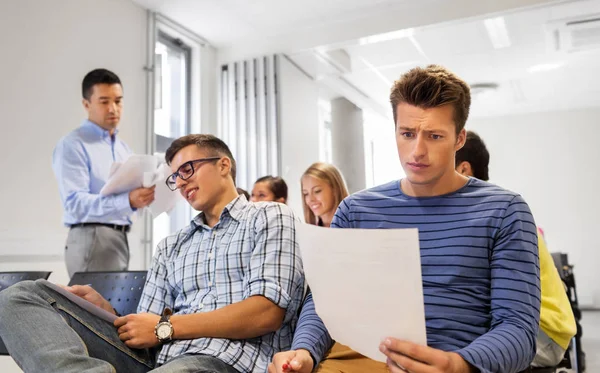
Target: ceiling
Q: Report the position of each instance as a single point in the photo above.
(242, 28)
(532, 74)
(325, 38)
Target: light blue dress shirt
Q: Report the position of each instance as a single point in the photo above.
(81, 162)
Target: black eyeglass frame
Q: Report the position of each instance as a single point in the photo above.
(191, 163)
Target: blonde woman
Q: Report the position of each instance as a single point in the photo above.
(323, 189)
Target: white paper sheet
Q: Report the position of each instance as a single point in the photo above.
(164, 198)
(142, 170)
(130, 174)
(366, 284)
(88, 306)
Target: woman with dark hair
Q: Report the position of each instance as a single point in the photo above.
(270, 188)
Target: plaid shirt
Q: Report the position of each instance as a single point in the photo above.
(252, 250)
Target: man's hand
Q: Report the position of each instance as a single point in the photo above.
(295, 361)
(141, 197)
(88, 293)
(406, 356)
(137, 330)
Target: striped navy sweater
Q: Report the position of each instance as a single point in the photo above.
(479, 262)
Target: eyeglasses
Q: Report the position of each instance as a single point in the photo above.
(185, 171)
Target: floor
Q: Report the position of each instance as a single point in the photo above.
(590, 322)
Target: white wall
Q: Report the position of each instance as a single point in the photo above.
(299, 126)
(47, 47)
(553, 160)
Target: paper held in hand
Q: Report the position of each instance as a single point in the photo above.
(88, 306)
(142, 170)
(366, 284)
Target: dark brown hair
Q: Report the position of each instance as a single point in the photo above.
(475, 152)
(432, 87)
(277, 186)
(243, 191)
(98, 76)
(213, 144)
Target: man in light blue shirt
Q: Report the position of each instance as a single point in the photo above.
(97, 239)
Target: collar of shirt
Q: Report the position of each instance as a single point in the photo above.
(234, 209)
(99, 131)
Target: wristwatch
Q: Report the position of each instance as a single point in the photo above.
(164, 330)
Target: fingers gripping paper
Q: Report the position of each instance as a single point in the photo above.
(366, 284)
(143, 170)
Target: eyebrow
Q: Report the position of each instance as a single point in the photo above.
(402, 128)
(106, 98)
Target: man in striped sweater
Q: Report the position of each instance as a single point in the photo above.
(478, 243)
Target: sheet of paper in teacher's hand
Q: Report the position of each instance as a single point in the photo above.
(143, 170)
(130, 174)
(164, 198)
(366, 284)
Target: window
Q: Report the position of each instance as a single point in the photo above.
(171, 117)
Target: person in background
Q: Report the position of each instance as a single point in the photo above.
(323, 188)
(473, 158)
(478, 243)
(270, 188)
(98, 225)
(557, 322)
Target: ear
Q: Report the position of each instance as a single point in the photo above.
(464, 168)
(86, 104)
(225, 166)
(461, 139)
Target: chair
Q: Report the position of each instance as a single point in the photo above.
(10, 278)
(575, 356)
(122, 289)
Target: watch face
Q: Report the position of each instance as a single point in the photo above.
(163, 331)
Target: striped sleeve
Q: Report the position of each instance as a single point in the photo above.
(510, 344)
(311, 334)
(341, 219)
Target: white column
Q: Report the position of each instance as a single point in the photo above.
(347, 142)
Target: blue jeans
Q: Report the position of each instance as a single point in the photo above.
(45, 332)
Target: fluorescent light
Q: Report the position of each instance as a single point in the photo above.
(394, 35)
(545, 67)
(497, 31)
(384, 79)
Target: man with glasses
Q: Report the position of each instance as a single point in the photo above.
(82, 160)
(222, 294)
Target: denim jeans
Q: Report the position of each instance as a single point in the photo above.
(45, 332)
